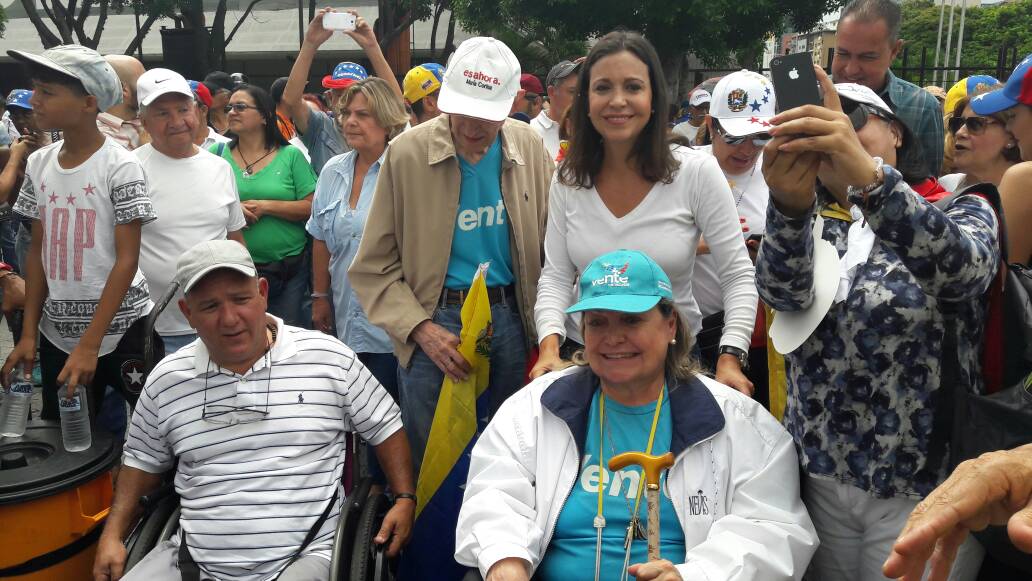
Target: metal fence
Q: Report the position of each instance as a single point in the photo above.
(914, 65)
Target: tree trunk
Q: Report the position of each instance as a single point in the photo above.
(449, 40)
(46, 37)
(438, 9)
(673, 64)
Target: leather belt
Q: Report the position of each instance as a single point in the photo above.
(495, 295)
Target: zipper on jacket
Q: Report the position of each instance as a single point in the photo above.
(548, 539)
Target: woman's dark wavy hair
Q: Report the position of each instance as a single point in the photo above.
(267, 109)
(651, 151)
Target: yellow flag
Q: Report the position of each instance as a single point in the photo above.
(455, 419)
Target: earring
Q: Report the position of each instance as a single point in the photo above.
(673, 341)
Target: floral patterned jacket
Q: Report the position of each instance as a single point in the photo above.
(862, 389)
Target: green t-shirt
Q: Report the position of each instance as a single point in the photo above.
(288, 178)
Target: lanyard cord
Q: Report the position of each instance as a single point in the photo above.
(600, 520)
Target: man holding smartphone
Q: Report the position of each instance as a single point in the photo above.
(867, 41)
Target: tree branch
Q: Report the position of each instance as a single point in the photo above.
(101, 21)
(46, 36)
(57, 16)
(144, 31)
(240, 22)
(78, 21)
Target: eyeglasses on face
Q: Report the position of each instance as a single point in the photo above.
(975, 125)
(239, 107)
(859, 113)
(758, 139)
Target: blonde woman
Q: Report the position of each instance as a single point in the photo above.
(370, 114)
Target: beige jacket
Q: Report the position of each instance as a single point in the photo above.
(399, 271)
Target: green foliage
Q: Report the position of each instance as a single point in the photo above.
(711, 30)
(986, 30)
(3, 21)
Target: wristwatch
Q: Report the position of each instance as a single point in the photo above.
(742, 356)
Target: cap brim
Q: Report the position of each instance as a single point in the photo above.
(741, 126)
(154, 97)
(248, 271)
(621, 303)
(455, 104)
(993, 102)
(28, 57)
(329, 82)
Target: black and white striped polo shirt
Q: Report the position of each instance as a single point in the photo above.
(251, 491)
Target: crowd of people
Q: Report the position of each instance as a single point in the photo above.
(765, 294)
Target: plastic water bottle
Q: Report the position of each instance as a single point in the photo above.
(14, 412)
(75, 419)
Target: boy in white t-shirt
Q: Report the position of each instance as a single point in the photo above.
(88, 201)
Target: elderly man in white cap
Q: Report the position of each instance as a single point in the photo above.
(465, 188)
(256, 412)
(193, 191)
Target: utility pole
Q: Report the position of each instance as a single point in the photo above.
(949, 42)
(938, 43)
(960, 39)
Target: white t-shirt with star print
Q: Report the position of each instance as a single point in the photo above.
(78, 209)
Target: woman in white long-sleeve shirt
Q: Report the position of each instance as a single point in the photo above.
(623, 186)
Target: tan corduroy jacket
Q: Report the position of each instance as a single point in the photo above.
(399, 271)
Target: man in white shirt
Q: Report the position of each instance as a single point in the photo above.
(204, 135)
(698, 108)
(256, 412)
(194, 189)
(561, 85)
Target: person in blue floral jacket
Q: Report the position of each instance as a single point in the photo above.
(863, 384)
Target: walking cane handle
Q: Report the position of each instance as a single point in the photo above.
(652, 466)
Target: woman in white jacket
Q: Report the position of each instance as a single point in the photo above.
(730, 507)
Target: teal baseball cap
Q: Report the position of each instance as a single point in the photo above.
(623, 280)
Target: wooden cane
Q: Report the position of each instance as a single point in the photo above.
(652, 467)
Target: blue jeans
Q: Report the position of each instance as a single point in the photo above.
(384, 367)
(289, 299)
(420, 385)
(174, 343)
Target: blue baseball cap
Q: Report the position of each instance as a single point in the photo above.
(20, 98)
(1018, 90)
(344, 74)
(623, 280)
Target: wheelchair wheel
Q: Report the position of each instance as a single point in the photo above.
(157, 526)
(346, 528)
(369, 561)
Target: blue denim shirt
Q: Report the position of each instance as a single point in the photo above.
(922, 115)
(862, 389)
(323, 140)
(338, 225)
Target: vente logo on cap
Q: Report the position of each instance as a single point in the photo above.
(479, 79)
(615, 277)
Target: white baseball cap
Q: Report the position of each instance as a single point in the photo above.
(157, 82)
(862, 94)
(211, 255)
(481, 80)
(744, 103)
(699, 97)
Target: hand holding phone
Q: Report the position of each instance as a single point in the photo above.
(342, 21)
(795, 83)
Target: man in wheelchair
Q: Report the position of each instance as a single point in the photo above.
(255, 412)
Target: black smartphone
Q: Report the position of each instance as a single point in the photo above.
(754, 238)
(795, 83)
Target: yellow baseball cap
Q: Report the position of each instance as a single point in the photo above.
(422, 81)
